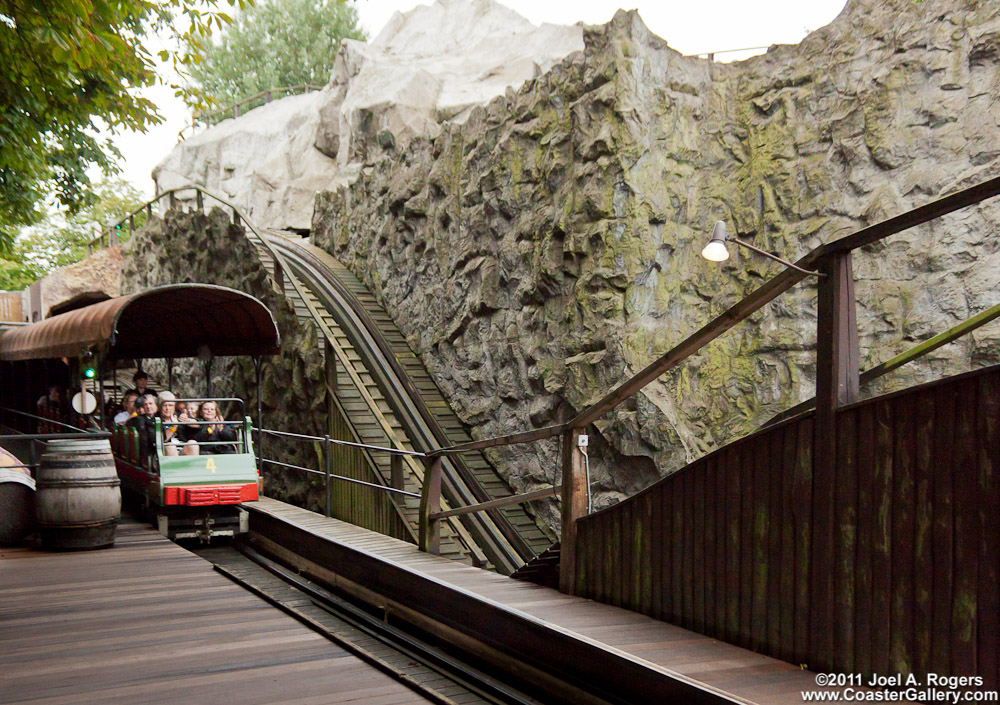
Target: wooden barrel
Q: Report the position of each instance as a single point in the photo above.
(78, 498)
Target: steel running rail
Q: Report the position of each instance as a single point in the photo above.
(492, 532)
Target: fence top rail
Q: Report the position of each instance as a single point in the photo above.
(334, 441)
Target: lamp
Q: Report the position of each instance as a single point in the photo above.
(715, 250)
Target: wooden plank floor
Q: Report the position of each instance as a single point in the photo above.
(744, 674)
(148, 622)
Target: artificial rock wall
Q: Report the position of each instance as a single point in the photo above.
(198, 247)
(548, 247)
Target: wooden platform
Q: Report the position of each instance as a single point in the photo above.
(739, 674)
(148, 622)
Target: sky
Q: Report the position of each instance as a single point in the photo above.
(689, 27)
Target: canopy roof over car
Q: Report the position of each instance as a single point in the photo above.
(178, 320)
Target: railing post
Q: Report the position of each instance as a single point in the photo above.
(173, 201)
(574, 506)
(149, 211)
(236, 110)
(236, 217)
(329, 461)
(279, 275)
(837, 385)
(131, 224)
(429, 536)
(199, 200)
(396, 475)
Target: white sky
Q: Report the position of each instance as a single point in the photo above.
(689, 27)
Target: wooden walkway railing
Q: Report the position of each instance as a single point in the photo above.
(730, 546)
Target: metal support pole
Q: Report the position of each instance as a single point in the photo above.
(429, 535)
(100, 386)
(257, 366)
(208, 378)
(170, 373)
(329, 463)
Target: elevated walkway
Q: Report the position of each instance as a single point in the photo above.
(536, 631)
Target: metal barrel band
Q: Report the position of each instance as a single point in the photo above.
(82, 482)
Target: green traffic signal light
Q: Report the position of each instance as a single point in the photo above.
(89, 373)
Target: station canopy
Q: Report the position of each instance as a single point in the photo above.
(177, 320)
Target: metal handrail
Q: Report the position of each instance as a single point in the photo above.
(75, 429)
(334, 441)
(384, 488)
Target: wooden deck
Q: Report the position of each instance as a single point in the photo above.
(738, 673)
(148, 622)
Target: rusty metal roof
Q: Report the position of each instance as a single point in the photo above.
(168, 321)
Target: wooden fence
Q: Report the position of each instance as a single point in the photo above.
(728, 546)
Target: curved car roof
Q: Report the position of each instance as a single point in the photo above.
(167, 321)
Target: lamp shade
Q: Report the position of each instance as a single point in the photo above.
(715, 250)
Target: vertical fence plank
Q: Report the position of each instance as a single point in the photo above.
(626, 574)
(865, 466)
(942, 536)
(644, 559)
(721, 529)
(733, 532)
(774, 605)
(988, 467)
(747, 512)
(667, 552)
(698, 546)
(597, 547)
(615, 557)
(803, 539)
(761, 495)
(923, 558)
(903, 533)
(687, 483)
(845, 540)
(966, 499)
(677, 578)
(790, 439)
(882, 538)
(658, 538)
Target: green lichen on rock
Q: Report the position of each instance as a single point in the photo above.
(555, 249)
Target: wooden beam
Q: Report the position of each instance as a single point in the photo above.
(836, 386)
(917, 216)
(574, 506)
(429, 535)
(502, 502)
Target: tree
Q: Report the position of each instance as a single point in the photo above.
(274, 43)
(71, 68)
(56, 241)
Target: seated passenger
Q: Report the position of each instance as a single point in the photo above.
(145, 424)
(128, 408)
(170, 422)
(194, 435)
(141, 381)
